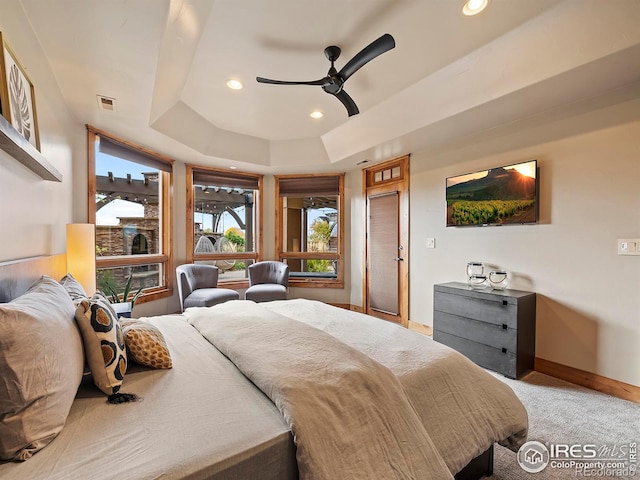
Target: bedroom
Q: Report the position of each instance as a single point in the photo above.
(576, 111)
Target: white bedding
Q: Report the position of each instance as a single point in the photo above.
(349, 414)
(200, 420)
(204, 419)
(464, 409)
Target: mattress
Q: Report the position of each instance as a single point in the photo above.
(201, 419)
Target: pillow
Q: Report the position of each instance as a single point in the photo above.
(41, 366)
(145, 344)
(103, 343)
(73, 288)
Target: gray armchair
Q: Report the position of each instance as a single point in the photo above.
(198, 286)
(268, 280)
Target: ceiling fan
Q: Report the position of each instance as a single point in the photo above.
(334, 80)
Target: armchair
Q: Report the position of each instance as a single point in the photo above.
(198, 286)
(268, 280)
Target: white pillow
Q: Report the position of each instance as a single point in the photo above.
(41, 366)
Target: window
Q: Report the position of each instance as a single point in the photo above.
(309, 234)
(224, 216)
(130, 205)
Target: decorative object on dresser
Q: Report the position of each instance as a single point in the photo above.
(475, 275)
(498, 279)
(495, 329)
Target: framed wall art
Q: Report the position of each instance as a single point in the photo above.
(17, 95)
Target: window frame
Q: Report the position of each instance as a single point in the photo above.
(166, 256)
(283, 255)
(256, 255)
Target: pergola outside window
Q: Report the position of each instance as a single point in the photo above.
(130, 205)
(224, 215)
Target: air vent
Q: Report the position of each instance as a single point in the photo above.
(106, 103)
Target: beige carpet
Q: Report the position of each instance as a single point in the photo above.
(564, 413)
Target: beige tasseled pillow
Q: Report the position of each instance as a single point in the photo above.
(145, 344)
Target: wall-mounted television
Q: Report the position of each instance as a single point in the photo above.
(506, 195)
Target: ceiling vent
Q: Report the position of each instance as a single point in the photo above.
(106, 103)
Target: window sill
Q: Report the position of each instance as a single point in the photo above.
(234, 284)
(314, 283)
(154, 295)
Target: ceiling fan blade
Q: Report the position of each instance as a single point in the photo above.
(368, 53)
(348, 102)
(281, 82)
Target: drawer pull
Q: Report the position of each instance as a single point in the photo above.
(504, 326)
(504, 350)
(505, 303)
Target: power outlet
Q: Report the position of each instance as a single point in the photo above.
(629, 246)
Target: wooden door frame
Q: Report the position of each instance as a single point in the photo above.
(401, 185)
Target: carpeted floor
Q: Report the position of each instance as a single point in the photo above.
(564, 413)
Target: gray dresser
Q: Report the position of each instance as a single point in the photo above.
(494, 328)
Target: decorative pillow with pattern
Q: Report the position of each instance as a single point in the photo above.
(103, 343)
(145, 344)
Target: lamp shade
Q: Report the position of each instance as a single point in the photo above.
(81, 254)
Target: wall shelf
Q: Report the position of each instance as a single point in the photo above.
(19, 148)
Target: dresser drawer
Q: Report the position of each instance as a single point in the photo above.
(496, 311)
(483, 355)
(490, 334)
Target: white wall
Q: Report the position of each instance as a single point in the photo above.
(588, 307)
(34, 212)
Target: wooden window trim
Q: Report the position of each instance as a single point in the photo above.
(258, 242)
(166, 257)
(310, 282)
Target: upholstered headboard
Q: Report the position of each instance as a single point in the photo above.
(18, 275)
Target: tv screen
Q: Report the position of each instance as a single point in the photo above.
(505, 195)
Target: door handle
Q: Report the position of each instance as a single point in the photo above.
(399, 259)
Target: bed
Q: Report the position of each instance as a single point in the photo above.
(205, 418)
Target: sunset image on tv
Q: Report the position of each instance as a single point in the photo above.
(498, 196)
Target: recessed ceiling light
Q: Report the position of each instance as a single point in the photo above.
(473, 7)
(234, 84)
(316, 114)
(233, 167)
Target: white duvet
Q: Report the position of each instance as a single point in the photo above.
(349, 415)
(463, 409)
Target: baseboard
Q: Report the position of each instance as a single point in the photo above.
(346, 306)
(421, 328)
(590, 380)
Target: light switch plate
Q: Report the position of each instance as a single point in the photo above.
(629, 246)
(431, 243)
